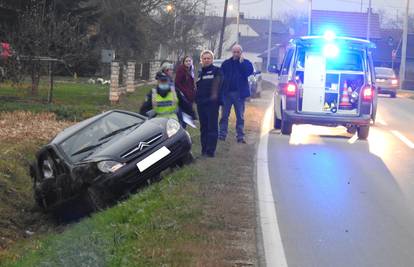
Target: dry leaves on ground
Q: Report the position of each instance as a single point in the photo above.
(21, 125)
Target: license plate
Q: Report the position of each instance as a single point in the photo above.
(153, 158)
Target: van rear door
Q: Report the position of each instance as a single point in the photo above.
(314, 82)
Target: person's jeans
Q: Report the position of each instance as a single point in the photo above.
(208, 116)
(232, 99)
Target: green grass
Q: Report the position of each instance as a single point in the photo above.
(150, 229)
(71, 101)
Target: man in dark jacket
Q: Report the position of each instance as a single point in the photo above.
(236, 71)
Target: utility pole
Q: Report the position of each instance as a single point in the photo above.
(362, 5)
(369, 20)
(223, 28)
(309, 17)
(238, 22)
(269, 44)
(404, 45)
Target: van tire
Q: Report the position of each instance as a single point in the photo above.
(393, 95)
(363, 132)
(277, 122)
(286, 127)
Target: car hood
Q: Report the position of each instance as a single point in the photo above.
(127, 145)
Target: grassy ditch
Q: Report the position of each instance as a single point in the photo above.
(200, 215)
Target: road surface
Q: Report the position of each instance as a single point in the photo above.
(344, 202)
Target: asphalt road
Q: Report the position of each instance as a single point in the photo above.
(344, 202)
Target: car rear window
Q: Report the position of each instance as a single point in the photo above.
(345, 61)
(384, 72)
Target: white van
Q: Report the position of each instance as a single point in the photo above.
(329, 81)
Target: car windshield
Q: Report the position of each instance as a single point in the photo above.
(87, 140)
(386, 72)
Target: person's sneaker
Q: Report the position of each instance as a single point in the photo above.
(241, 141)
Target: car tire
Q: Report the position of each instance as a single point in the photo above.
(186, 160)
(277, 122)
(96, 199)
(286, 127)
(363, 132)
(393, 95)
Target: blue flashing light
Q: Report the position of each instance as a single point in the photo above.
(329, 35)
(331, 51)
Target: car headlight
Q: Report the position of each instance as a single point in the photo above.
(109, 166)
(47, 169)
(173, 127)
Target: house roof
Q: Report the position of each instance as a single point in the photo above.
(352, 24)
(259, 44)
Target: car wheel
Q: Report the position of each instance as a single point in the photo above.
(363, 132)
(277, 122)
(186, 160)
(95, 199)
(286, 127)
(393, 95)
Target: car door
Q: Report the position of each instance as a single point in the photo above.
(285, 71)
(314, 82)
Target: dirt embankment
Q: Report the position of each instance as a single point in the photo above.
(21, 134)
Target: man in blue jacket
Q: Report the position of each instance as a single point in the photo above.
(236, 89)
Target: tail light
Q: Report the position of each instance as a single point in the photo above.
(291, 89)
(367, 93)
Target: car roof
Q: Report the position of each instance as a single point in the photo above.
(68, 132)
(355, 42)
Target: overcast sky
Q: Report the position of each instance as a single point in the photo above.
(261, 8)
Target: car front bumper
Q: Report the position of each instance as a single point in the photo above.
(326, 119)
(129, 177)
(388, 89)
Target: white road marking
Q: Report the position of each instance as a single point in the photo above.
(353, 139)
(404, 139)
(381, 121)
(272, 240)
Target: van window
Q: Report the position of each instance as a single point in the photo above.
(287, 61)
(347, 61)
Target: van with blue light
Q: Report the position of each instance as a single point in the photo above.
(329, 81)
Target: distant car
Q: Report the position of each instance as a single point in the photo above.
(327, 81)
(106, 157)
(255, 79)
(387, 81)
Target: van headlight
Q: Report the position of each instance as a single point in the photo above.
(173, 127)
(109, 166)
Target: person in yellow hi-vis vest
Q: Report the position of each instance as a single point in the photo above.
(162, 101)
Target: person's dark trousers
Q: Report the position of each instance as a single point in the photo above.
(208, 116)
(232, 99)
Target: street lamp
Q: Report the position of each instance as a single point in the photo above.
(169, 7)
(309, 17)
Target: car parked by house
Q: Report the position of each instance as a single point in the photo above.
(328, 81)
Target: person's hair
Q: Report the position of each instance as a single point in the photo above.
(237, 46)
(206, 52)
(166, 66)
(185, 58)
